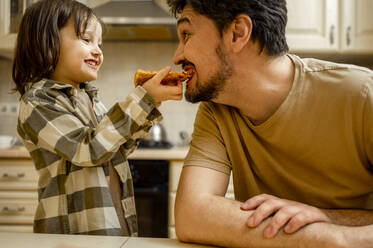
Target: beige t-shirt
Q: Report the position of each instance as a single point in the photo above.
(317, 148)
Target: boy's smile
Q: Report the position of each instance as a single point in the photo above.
(80, 57)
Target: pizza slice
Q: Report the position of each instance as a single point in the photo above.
(173, 78)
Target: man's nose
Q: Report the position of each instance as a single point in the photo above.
(179, 55)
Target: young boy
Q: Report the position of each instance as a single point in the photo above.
(79, 149)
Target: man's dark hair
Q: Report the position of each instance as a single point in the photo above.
(38, 43)
(269, 18)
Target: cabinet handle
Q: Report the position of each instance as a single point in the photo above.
(331, 35)
(15, 175)
(348, 35)
(13, 209)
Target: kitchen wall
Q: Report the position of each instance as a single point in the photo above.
(8, 121)
(115, 81)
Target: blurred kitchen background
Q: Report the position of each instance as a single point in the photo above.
(142, 34)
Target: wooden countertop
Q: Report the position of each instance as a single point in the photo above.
(33, 240)
(178, 153)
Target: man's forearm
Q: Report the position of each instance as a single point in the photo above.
(350, 217)
(220, 221)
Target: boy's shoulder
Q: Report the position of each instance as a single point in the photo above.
(47, 91)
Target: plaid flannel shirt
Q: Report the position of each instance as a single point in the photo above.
(72, 156)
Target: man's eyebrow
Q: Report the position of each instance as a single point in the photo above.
(183, 20)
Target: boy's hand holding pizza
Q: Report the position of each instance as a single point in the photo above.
(162, 85)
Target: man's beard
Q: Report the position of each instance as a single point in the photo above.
(211, 88)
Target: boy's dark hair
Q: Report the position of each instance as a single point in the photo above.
(38, 42)
(269, 18)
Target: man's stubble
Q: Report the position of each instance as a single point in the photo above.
(210, 89)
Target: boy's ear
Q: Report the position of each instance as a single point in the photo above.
(241, 29)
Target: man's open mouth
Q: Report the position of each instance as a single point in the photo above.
(189, 70)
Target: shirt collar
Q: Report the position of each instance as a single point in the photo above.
(51, 84)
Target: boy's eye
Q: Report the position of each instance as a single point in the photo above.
(100, 45)
(85, 39)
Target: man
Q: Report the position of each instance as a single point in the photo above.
(296, 133)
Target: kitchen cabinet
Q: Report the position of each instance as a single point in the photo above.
(343, 26)
(7, 38)
(18, 185)
(356, 26)
(176, 167)
(4, 17)
(313, 25)
(18, 195)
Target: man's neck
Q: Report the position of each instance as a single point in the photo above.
(259, 87)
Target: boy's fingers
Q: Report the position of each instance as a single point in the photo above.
(176, 97)
(177, 89)
(161, 74)
(172, 90)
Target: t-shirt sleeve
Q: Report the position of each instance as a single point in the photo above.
(368, 123)
(207, 147)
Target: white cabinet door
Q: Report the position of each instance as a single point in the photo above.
(7, 40)
(4, 17)
(313, 25)
(357, 26)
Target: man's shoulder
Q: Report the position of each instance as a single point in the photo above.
(312, 65)
(344, 77)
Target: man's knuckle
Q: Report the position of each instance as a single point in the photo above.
(277, 220)
(300, 218)
(273, 225)
(287, 210)
(265, 207)
(263, 196)
(281, 216)
(272, 202)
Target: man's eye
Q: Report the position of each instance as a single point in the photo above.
(85, 39)
(185, 35)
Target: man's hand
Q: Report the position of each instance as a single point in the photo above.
(289, 214)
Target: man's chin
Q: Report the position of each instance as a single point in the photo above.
(189, 98)
(196, 98)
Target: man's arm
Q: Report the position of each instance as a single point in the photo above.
(203, 215)
(351, 217)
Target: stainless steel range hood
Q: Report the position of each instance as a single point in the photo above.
(145, 20)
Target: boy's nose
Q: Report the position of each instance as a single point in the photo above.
(97, 51)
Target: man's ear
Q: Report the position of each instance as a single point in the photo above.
(241, 29)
